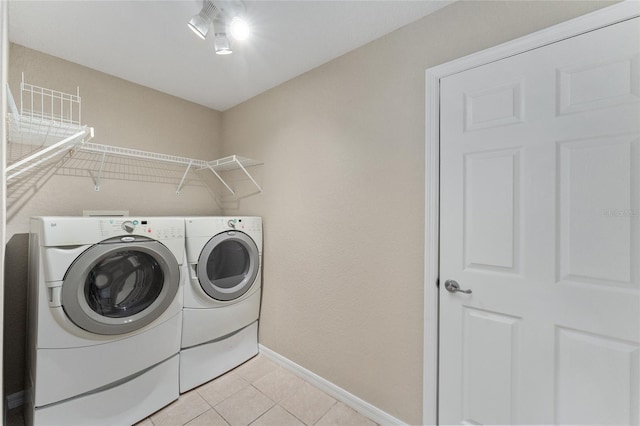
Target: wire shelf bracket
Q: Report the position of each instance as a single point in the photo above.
(96, 180)
(184, 176)
(234, 162)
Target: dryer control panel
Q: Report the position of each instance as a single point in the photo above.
(246, 224)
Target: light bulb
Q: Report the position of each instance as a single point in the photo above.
(239, 28)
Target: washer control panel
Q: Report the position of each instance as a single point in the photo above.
(156, 228)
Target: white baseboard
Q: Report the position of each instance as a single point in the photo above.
(363, 407)
(14, 400)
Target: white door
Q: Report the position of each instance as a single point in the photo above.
(540, 219)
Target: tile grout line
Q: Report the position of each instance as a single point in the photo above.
(263, 414)
(335, 402)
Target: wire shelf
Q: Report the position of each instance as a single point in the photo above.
(33, 130)
(45, 116)
(47, 130)
(143, 155)
(92, 164)
(164, 165)
(46, 126)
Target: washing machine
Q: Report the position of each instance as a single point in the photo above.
(221, 296)
(104, 320)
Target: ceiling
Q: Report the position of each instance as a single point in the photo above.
(149, 43)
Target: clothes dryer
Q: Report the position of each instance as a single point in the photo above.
(105, 317)
(221, 296)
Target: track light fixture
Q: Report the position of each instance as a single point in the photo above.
(220, 19)
(201, 22)
(222, 45)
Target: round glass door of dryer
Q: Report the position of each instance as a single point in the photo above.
(228, 265)
(116, 287)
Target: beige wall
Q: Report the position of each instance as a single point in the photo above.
(343, 207)
(123, 114)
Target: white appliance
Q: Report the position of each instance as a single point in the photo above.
(105, 317)
(221, 296)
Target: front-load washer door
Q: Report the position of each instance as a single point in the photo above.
(228, 265)
(120, 285)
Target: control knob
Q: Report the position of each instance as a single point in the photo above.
(232, 223)
(128, 226)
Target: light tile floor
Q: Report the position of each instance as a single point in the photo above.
(257, 393)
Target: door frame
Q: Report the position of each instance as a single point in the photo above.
(4, 72)
(592, 21)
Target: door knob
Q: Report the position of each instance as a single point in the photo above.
(454, 287)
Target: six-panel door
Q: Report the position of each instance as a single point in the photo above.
(540, 219)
